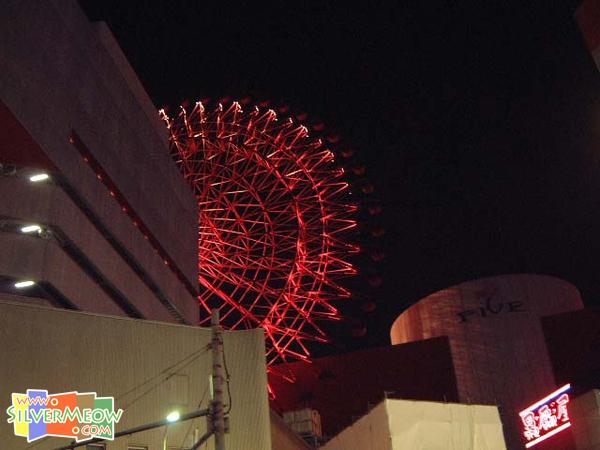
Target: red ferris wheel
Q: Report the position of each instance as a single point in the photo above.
(274, 217)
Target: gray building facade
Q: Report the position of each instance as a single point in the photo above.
(117, 223)
(149, 368)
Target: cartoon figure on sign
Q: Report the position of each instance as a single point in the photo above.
(531, 430)
(561, 408)
(546, 417)
(547, 420)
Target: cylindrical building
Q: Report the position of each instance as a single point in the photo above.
(496, 338)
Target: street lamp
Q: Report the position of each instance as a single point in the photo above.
(36, 178)
(31, 229)
(172, 417)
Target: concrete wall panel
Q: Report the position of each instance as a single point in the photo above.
(48, 204)
(62, 351)
(60, 73)
(25, 257)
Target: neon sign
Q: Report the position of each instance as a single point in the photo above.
(546, 417)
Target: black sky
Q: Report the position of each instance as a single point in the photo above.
(479, 123)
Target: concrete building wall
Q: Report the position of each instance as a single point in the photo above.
(498, 347)
(48, 205)
(283, 437)
(416, 425)
(150, 368)
(585, 419)
(587, 16)
(62, 74)
(25, 257)
(370, 431)
(412, 425)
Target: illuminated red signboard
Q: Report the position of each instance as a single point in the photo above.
(546, 417)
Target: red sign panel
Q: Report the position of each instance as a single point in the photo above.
(546, 417)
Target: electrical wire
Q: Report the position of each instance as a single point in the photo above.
(228, 377)
(169, 375)
(120, 396)
(195, 355)
(191, 421)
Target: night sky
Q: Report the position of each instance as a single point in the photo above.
(479, 126)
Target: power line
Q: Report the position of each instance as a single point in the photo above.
(120, 396)
(194, 355)
(168, 375)
(227, 379)
(191, 422)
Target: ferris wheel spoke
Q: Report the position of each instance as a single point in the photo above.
(273, 220)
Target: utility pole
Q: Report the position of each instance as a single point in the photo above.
(217, 414)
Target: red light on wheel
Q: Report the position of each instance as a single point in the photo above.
(273, 222)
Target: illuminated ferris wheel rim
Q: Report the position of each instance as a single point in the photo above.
(272, 221)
